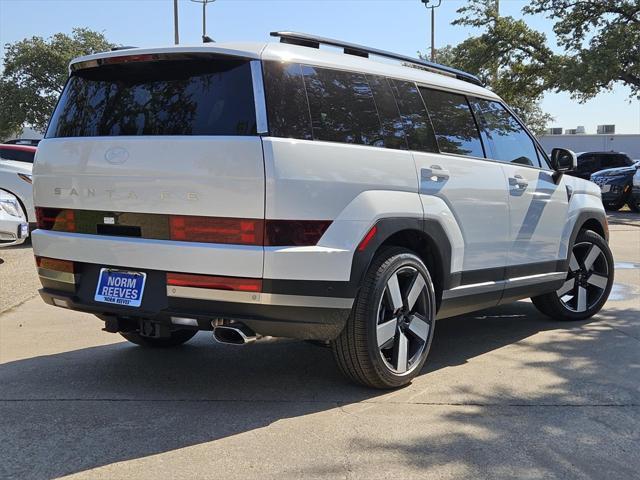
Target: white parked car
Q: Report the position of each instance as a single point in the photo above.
(288, 190)
(16, 163)
(14, 228)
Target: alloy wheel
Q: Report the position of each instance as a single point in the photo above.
(404, 320)
(587, 278)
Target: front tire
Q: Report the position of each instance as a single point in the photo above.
(588, 282)
(389, 332)
(177, 337)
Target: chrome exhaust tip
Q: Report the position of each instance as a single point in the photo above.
(234, 334)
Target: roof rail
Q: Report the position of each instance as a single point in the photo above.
(313, 41)
(122, 47)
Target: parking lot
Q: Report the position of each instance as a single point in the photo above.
(506, 393)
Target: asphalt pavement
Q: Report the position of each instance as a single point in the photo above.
(506, 393)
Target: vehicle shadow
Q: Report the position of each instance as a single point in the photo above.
(73, 411)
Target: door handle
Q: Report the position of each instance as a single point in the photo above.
(435, 173)
(518, 182)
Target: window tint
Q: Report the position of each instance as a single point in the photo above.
(417, 125)
(508, 141)
(453, 122)
(287, 106)
(392, 127)
(168, 97)
(613, 161)
(18, 155)
(342, 107)
(588, 164)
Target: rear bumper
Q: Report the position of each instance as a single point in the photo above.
(300, 311)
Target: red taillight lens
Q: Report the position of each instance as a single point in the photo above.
(214, 282)
(58, 265)
(216, 230)
(294, 232)
(61, 220)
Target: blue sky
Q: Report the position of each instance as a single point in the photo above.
(397, 25)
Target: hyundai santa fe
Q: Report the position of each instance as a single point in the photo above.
(350, 196)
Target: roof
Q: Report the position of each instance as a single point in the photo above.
(330, 58)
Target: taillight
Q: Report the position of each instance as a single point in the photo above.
(61, 220)
(214, 282)
(216, 230)
(65, 266)
(294, 232)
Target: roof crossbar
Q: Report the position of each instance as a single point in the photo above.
(313, 41)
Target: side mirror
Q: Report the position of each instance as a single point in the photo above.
(563, 160)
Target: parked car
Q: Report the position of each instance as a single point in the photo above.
(24, 141)
(634, 202)
(14, 228)
(592, 162)
(287, 190)
(616, 185)
(15, 178)
(18, 153)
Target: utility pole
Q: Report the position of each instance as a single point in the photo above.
(176, 36)
(432, 5)
(204, 18)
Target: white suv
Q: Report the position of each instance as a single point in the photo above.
(287, 190)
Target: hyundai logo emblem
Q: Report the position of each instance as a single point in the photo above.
(116, 155)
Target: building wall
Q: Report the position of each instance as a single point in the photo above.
(629, 144)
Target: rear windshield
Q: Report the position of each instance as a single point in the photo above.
(18, 155)
(170, 97)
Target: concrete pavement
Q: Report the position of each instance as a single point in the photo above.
(506, 393)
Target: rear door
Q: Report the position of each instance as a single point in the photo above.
(136, 143)
(538, 205)
(472, 188)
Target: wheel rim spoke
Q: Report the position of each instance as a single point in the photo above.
(591, 257)
(416, 289)
(395, 295)
(386, 332)
(582, 299)
(598, 281)
(401, 348)
(567, 287)
(419, 327)
(573, 263)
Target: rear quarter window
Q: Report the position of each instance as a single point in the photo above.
(17, 155)
(209, 96)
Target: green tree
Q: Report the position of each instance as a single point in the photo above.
(509, 57)
(34, 73)
(601, 42)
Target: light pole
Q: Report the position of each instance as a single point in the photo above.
(176, 36)
(204, 18)
(432, 4)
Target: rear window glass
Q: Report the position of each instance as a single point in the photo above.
(453, 123)
(18, 155)
(342, 107)
(415, 118)
(170, 97)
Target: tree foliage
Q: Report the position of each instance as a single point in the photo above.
(35, 71)
(509, 57)
(601, 42)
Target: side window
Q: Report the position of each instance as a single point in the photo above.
(342, 107)
(287, 106)
(588, 164)
(392, 127)
(417, 125)
(453, 122)
(17, 155)
(508, 140)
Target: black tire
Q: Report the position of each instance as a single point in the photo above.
(178, 337)
(356, 349)
(634, 204)
(558, 305)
